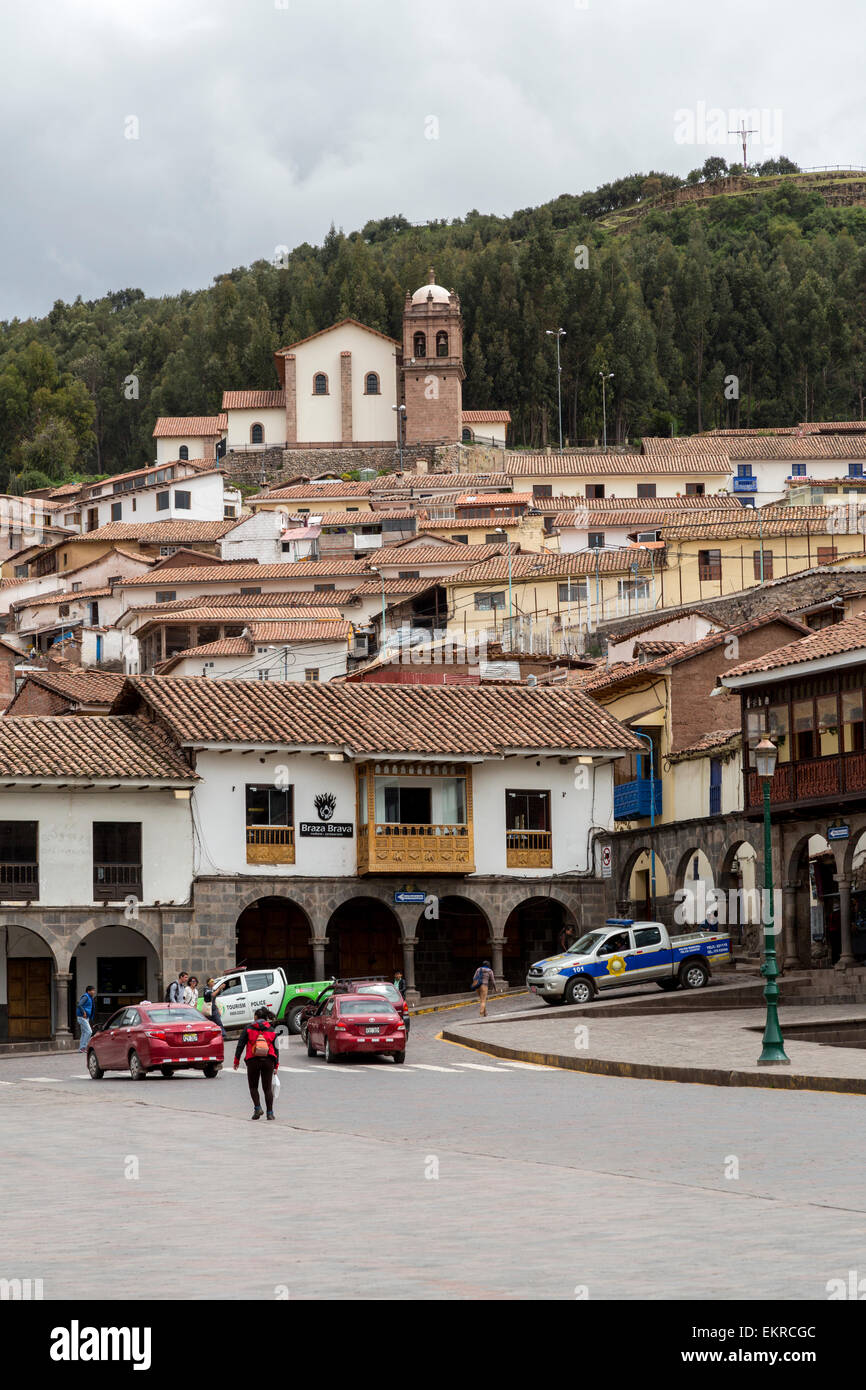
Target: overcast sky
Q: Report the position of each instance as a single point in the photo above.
(259, 122)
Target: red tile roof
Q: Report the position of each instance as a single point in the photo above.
(82, 687)
(474, 523)
(439, 482)
(364, 518)
(479, 417)
(98, 748)
(495, 499)
(61, 596)
(253, 400)
(311, 491)
(706, 744)
(239, 571)
(320, 630)
(189, 426)
(541, 565)
(837, 640)
(617, 465)
(159, 532)
(441, 722)
(417, 553)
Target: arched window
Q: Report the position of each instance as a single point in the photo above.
(257, 434)
(442, 343)
(320, 384)
(420, 345)
(372, 384)
(183, 452)
(467, 435)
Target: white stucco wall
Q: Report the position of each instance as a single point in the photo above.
(318, 417)
(167, 450)
(240, 423)
(573, 809)
(207, 501)
(287, 661)
(66, 840)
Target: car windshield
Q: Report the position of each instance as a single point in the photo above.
(176, 1016)
(586, 944)
(389, 991)
(365, 1006)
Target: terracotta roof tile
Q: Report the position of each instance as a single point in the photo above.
(365, 518)
(474, 523)
(80, 687)
(417, 553)
(240, 571)
(189, 426)
(309, 492)
(837, 640)
(253, 400)
(159, 532)
(436, 721)
(101, 748)
(707, 743)
(229, 602)
(494, 499)
(317, 630)
(440, 482)
(617, 465)
(478, 417)
(547, 565)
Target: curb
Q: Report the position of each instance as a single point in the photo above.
(777, 1080)
(461, 1004)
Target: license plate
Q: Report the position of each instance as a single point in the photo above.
(533, 989)
(190, 1037)
(371, 1030)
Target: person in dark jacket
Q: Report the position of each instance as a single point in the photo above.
(84, 1015)
(259, 1042)
(400, 982)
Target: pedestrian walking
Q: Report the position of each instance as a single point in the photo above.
(84, 1014)
(177, 988)
(483, 980)
(190, 992)
(259, 1041)
(211, 1008)
(400, 982)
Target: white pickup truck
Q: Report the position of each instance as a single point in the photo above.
(243, 991)
(627, 952)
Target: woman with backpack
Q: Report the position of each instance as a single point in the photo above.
(260, 1041)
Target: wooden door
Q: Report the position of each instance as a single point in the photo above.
(29, 997)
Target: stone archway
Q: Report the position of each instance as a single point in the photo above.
(274, 931)
(635, 883)
(739, 881)
(535, 928)
(364, 938)
(28, 1007)
(451, 947)
(811, 902)
(694, 882)
(121, 962)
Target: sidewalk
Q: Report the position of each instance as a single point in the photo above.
(710, 1048)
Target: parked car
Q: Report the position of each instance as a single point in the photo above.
(155, 1037)
(390, 992)
(372, 984)
(626, 952)
(356, 1023)
(248, 990)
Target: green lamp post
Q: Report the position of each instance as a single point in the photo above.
(773, 1052)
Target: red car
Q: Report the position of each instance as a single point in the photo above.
(356, 1023)
(151, 1037)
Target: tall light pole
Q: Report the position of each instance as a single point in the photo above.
(605, 378)
(401, 419)
(502, 532)
(773, 1052)
(558, 333)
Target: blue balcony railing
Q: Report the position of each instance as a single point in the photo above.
(715, 799)
(634, 799)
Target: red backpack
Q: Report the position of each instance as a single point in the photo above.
(261, 1041)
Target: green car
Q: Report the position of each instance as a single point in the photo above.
(241, 992)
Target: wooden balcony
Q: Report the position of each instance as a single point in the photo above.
(19, 882)
(270, 844)
(528, 849)
(397, 848)
(114, 882)
(813, 779)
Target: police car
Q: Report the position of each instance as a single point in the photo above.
(627, 952)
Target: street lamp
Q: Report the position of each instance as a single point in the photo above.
(773, 1053)
(558, 333)
(401, 424)
(500, 530)
(605, 378)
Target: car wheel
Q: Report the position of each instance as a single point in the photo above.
(96, 1071)
(293, 1014)
(694, 975)
(311, 1051)
(211, 1070)
(668, 985)
(167, 1071)
(399, 1057)
(329, 1055)
(579, 991)
(136, 1067)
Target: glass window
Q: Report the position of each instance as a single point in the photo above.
(162, 500)
(614, 944)
(775, 722)
(166, 595)
(183, 500)
(709, 564)
(852, 722)
(183, 452)
(542, 489)
(176, 1014)
(485, 603)
(362, 800)
(268, 805)
(260, 979)
(765, 572)
(356, 1007)
(804, 729)
(798, 470)
(648, 936)
(116, 511)
(232, 985)
(320, 384)
(594, 490)
(595, 540)
(527, 810)
(646, 489)
(257, 434)
(828, 726)
(372, 384)
(694, 489)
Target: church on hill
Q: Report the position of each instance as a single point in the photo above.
(350, 386)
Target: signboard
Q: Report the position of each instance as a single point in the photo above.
(838, 832)
(327, 829)
(606, 861)
(406, 897)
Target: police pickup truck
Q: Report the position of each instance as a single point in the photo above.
(244, 991)
(627, 952)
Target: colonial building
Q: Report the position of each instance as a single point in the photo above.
(325, 829)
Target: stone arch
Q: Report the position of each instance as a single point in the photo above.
(538, 926)
(365, 937)
(638, 862)
(812, 909)
(274, 929)
(740, 878)
(121, 959)
(451, 945)
(31, 972)
(146, 926)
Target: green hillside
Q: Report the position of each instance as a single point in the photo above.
(766, 284)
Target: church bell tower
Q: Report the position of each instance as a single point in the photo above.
(433, 365)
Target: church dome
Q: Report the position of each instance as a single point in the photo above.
(438, 293)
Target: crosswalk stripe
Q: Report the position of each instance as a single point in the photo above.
(428, 1066)
(53, 1079)
(530, 1066)
(481, 1066)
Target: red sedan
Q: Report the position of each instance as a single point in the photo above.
(151, 1037)
(356, 1023)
